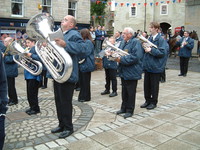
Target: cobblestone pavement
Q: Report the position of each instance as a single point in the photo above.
(174, 124)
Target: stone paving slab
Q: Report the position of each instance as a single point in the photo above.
(174, 124)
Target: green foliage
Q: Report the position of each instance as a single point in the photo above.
(98, 10)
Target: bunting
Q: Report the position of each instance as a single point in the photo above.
(123, 4)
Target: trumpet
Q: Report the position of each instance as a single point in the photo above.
(32, 66)
(146, 42)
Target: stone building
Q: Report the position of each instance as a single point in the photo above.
(14, 14)
(169, 13)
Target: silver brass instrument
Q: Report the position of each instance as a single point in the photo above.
(113, 51)
(32, 66)
(146, 42)
(57, 61)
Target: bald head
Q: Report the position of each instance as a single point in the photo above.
(7, 41)
(68, 23)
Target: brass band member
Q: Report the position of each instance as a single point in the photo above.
(11, 72)
(130, 71)
(154, 62)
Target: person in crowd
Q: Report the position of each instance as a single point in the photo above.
(154, 62)
(182, 31)
(118, 38)
(32, 81)
(86, 66)
(110, 68)
(3, 98)
(104, 35)
(144, 34)
(44, 79)
(92, 33)
(130, 71)
(11, 71)
(98, 41)
(186, 45)
(63, 92)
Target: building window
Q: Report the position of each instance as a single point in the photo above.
(133, 11)
(46, 6)
(72, 9)
(17, 7)
(164, 9)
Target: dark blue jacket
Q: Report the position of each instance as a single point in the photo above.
(76, 48)
(130, 66)
(3, 87)
(28, 75)
(186, 51)
(10, 66)
(89, 63)
(109, 64)
(98, 34)
(155, 61)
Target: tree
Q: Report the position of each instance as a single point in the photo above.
(98, 9)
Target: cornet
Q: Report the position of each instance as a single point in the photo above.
(112, 51)
(32, 66)
(146, 42)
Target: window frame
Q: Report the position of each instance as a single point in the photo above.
(161, 9)
(73, 9)
(22, 11)
(130, 13)
(48, 6)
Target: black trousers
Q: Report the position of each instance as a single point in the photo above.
(85, 92)
(32, 86)
(111, 77)
(151, 87)
(128, 95)
(163, 76)
(2, 131)
(44, 78)
(184, 65)
(12, 94)
(63, 93)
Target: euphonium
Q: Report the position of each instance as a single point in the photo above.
(146, 41)
(57, 61)
(32, 66)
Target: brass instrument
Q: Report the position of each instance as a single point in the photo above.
(57, 61)
(146, 42)
(32, 66)
(112, 51)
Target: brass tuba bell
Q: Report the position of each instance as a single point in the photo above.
(57, 61)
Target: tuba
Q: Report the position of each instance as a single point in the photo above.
(57, 61)
(146, 42)
(32, 66)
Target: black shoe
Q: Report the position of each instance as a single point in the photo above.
(44, 87)
(28, 110)
(151, 106)
(33, 112)
(57, 129)
(180, 75)
(105, 92)
(113, 94)
(82, 100)
(144, 105)
(65, 133)
(78, 89)
(12, 103)
(120, 112)
(184, 75)
(126, 115)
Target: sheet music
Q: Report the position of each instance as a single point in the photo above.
(56, 34)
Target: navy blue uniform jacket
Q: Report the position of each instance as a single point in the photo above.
(130, 66)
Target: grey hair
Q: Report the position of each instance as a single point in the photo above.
(129, 30)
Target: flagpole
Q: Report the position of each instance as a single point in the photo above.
(145, 17)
